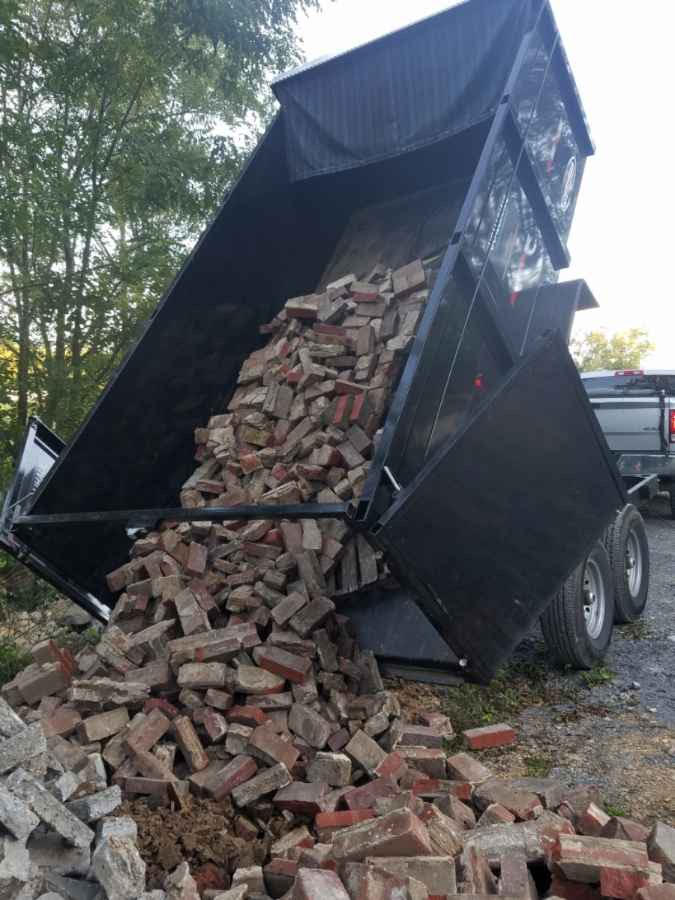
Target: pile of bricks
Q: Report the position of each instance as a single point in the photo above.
(227, 672)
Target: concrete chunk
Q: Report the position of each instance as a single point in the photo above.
(95, 806)
(10, 722)
(118, 866)
(117, 826)
(661, 845)
(15, 815)
(49, 809)
(21, 747)
(48, 852)
(180, 885)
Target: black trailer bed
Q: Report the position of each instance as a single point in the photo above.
(476, 490)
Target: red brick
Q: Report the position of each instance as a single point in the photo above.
(196, 559)
(592, 821)
(342, 386)
(462, 767)
(625, 830)
(169, 710)
(291, 841)
(341, 411)
(33, 686)
(623, 882)
(364, 797)
(154, 787)
(399, 833)
(436, 720)
(461, 789)
(302, 798)
(421, 736)
(657, 892)
(189, 744)
(430, 761)
(339, 740)
(210, 877)
(496, 814)
(318, 884)
(236, 772)
(280, 662)
(583, 858)
(63, 721)
(279, 875)
(103, 725)
(572, 890)
(445, 836)
(270, 748)
(145, 734)
(489, 736)
(420, 785)
(213, 723)
(328, 822)
(393, 766)
(246, 715)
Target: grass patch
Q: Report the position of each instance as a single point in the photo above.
(514, 688)
(538, 766)
(635, 631)
(12, 659)
(77, 640)
(617, 811)
(597, 676)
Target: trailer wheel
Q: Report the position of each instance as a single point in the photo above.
(578, 624)
(628, 551)
(672, 501)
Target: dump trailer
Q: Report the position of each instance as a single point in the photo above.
(461, 141)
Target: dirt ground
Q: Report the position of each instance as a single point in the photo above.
(204, 834)
(613, 727)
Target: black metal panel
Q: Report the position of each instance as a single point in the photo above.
(392, 625)
(268, 242)
(506, 509)
(553, 308)
(40, 450)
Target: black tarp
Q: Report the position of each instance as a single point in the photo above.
(404, 91)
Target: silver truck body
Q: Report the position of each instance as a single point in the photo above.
(636, 411)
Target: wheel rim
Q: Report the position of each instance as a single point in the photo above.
(633, 563)
(594, 599)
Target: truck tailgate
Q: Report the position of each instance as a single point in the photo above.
(631, 424)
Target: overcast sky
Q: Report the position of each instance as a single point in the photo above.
(622, 56)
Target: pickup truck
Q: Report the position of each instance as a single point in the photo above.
(636, 411)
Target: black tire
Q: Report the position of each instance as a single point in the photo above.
(628, 550)
(672, 501)
(572, 640)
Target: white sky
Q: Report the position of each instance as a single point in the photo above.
(623, 59)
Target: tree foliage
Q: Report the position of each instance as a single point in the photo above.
(621, 350)
(121, 125)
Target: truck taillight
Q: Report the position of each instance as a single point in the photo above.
(629, 372)
(672, 426)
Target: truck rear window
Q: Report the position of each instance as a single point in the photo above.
(611, 385)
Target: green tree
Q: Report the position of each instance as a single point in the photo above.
(122, 123)
(621, 350)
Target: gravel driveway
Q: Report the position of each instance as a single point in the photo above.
(619, 732)
(613, 727)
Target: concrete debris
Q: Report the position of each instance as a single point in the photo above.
(118, 866)
(228, 676)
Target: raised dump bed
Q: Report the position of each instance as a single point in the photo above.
(460, 141)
